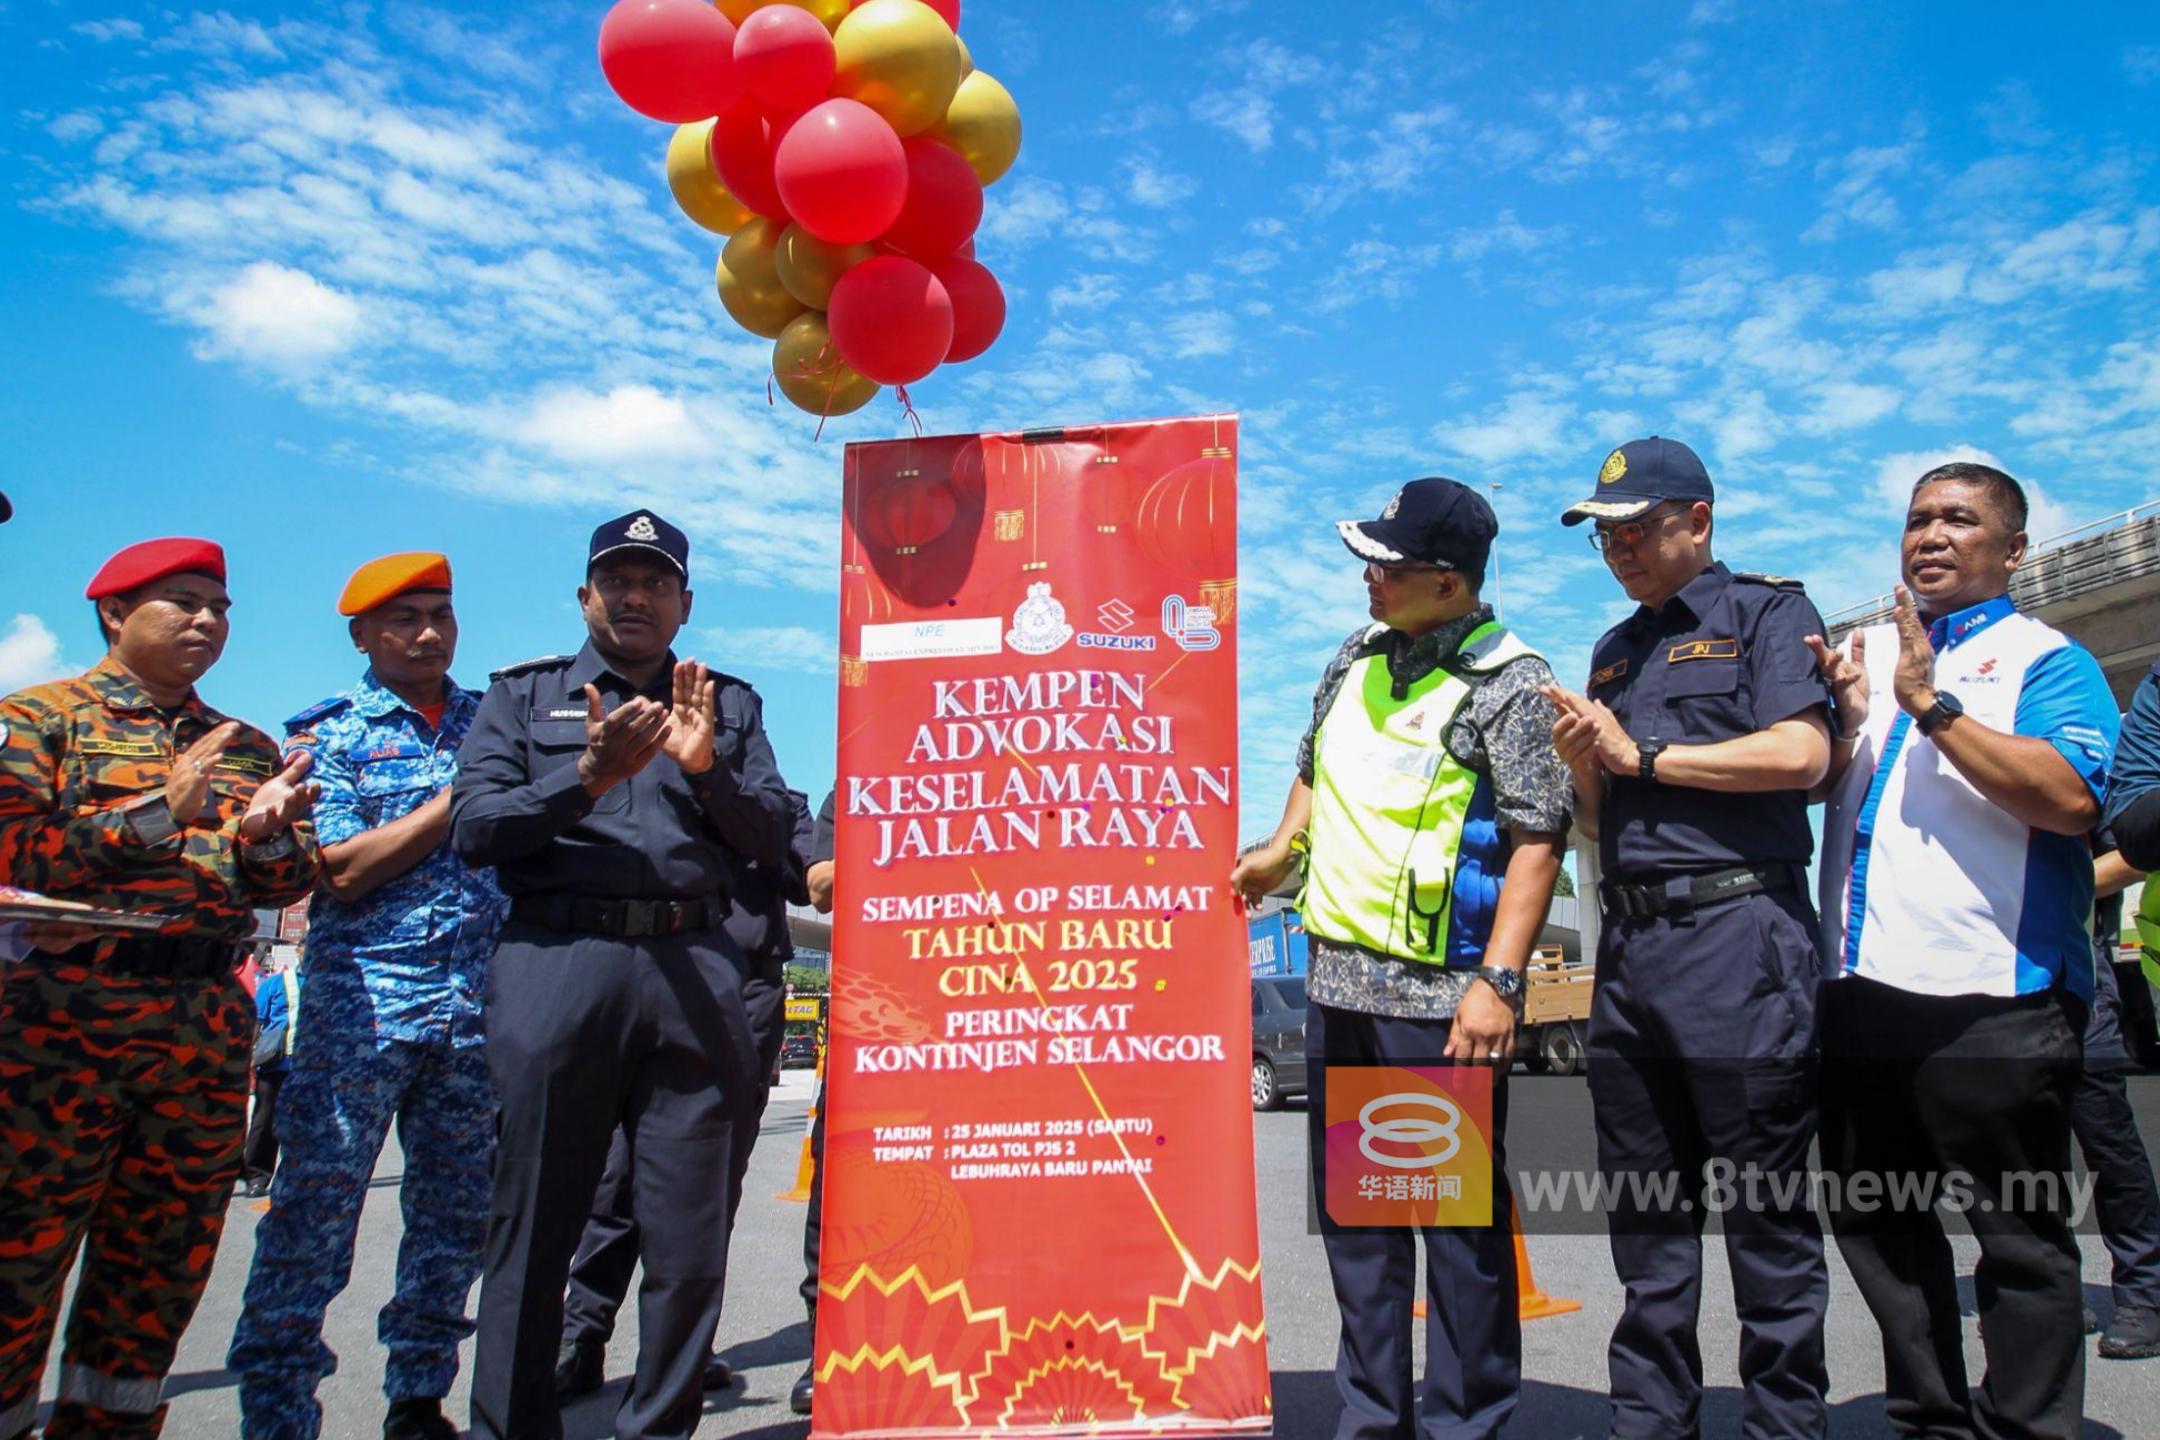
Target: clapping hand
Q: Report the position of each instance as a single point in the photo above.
(692, 723)
(280, 800)
(618, 744)
(1913, 682)
(1846, 676)
(1589, 737)
(189, 784)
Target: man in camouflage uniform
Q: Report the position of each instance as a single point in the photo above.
(124, 1062)
(398, 944)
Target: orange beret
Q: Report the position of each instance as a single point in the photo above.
(380, 581)
(153, 560)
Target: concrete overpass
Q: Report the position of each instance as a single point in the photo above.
(2098, 584)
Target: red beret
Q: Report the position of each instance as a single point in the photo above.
(380, 581)
(153, 560)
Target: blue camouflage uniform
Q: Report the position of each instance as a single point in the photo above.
(395, 982)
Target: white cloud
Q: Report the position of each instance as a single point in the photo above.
(1243, 114)
(1156, 188)
(630, 422)
(1028, 210)
(275, 315)
(1861, 194)
(1527, 425)
(1085, 292)
(30, 655)
(105, 30)
(795, 648)
(2142, 63)
(1199, 333)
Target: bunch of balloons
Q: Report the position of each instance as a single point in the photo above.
(843, 147)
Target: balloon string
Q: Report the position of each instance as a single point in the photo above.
(907, 408)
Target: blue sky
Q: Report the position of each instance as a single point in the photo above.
(323, 281)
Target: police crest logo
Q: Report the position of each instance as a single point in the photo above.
(1393, 506)
(1615, 467)
(642, 529)
(1039, 624)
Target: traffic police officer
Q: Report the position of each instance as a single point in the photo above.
(1705, 724)
(1435, 809)
(618, 799)
(398, 942)
(124, 1061)
(600, 1274)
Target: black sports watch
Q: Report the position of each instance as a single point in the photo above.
(1646, 765)
(1947, 707)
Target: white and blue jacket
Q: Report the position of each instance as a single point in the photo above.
(1926, 885)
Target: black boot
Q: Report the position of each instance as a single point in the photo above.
(2134, 1334)
(799, 1397)
(580, 1368)
(717, 1374)
(420, 1418)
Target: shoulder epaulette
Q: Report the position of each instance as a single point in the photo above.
(721, 678)
(526, 667)
(317, 711)
(1775, 582)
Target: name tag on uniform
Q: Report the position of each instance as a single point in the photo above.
(1611, 672)
(393, 752)
(132, 749)
(246, 765)
(1703, 650)
(560, 712)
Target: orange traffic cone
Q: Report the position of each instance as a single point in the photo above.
(1531, 1303)
(806, 1164)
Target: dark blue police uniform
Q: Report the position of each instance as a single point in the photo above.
(615, 999)
(757, 919)
(1703, 1025)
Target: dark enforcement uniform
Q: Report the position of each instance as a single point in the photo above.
(614, 999)
(123, 1063)
(758, 923)
(1703, 1029)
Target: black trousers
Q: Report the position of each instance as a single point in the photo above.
(258, 1153)
(587, 1034)
(1473, 1333)
(1976, 1088)
(607, 1253)
(1703, 1060)
(813, 1235)
(2124, 1194)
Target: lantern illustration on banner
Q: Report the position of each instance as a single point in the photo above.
(914, 512)
(1180, 526)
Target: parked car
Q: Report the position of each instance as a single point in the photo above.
(797, 1051)
(1278, 1039)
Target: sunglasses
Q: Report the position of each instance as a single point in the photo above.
(1604, 537)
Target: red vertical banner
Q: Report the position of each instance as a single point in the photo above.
(1039, 1208)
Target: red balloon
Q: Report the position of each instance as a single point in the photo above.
(842, 172)
(743, 143)
(944, 202)
(978, 305)
(672, 60)
(948, 10)
(784, 58)
(891, 320)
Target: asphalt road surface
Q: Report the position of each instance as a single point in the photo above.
(764, 1337)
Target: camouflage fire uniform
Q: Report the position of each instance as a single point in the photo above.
(123, 1063)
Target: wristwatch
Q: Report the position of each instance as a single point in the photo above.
(1646, 765)
(150, 822)
(1506, 983)
(1947, 707)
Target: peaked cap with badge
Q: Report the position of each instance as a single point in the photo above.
(1640, 476)
(1433, 521)
(641, 530)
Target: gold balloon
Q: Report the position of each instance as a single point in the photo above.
(983, 124)
(697, 189)
(967, 58)
(810, 267)
(829, 12)
(750, 286)
(810, 372)
(901, 59)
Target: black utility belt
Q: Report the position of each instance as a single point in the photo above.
(595, 915)
(170, 957)
(1641, 900)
